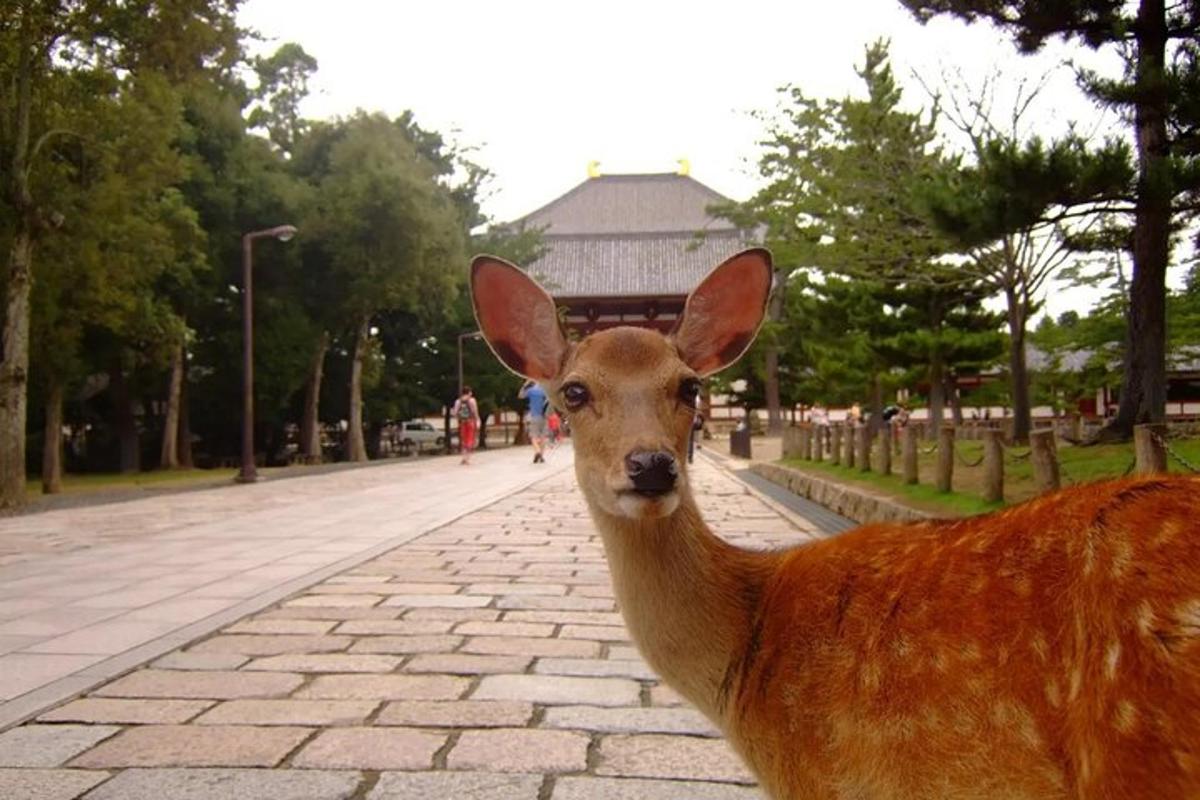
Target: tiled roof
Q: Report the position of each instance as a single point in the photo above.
(629, 204)
(631, 235)
(624, 266)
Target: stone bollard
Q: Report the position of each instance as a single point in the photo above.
(819, 432)
(993, 465)
(1148, 448)
(850, 446)
(806, 442)
(835, 450)
(909, 456)
(885, 449)
(1044, 456)
(791, 443)
(945, 458)
(864, 448)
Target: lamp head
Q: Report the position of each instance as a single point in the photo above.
(284, 233)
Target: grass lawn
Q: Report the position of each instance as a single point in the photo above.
(159, 479)
(1076, 465)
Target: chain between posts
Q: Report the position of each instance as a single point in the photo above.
(1162, 442)
(969, 464)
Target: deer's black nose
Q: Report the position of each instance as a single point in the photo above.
(652, 473)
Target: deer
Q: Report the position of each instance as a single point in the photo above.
(1049, 650)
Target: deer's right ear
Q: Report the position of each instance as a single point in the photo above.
(722, 315)
(518, 319)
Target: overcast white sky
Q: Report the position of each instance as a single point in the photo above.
(542, 88)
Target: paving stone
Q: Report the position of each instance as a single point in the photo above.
(663, 695)
(216, 685)
(566, 617)
(134, 712)
(568, 603)
(326, 662)
(371, 748)
(437, 600)
(195, 746)
(289, 712)
(505, 628)
(302, 626)
(520, 750)
(515, 589)
(406, 645)
(607, 633)
(630, 720)
(47, 784)
(523, 646)
(228, 784)
(334, 601)
(555, 690)
(49, 745)
(662, 756)
(465, 664)
(589, 788)
(451, 614)
(595, 667)
(271, 645)
(622, 652)
(394, 627)
(458, 714)
(339, 614)
(218, 661)
(455, 786)
(385, 687)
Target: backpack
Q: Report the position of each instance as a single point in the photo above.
(464, 410)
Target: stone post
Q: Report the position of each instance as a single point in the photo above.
(835, 451)
(993, 465)
(885, 450)
(912, 437)
(945, 458)
(1044, 456)
(850, 445)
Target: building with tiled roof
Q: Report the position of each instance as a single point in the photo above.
(626, 249)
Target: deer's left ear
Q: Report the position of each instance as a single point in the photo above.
(518, 319)
(723, 314)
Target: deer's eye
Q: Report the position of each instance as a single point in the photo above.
(575, 396)
(689, 391)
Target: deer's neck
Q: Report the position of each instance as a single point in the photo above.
(688, 598)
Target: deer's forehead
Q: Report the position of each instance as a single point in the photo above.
(627, 352)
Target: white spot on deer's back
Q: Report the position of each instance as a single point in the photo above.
(1125, 717)
(1111, 657)
(1053, 693)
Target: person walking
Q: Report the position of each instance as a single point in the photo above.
(466, 411)
(535, 396)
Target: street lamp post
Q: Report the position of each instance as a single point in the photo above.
(249, 473)
(461, 336)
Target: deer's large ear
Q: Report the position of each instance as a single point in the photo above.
(518, 319)
(724, 312)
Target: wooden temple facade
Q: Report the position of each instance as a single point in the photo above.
(627, 249)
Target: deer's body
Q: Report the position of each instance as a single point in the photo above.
(1047, 651)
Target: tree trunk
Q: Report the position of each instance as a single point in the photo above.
(771, 387)
(184, 445)
(1143, 395)
(169, 459)
(52, 449)
(310, 424)
(14, 367)
(1018, 373)
(126, 420)
(14, 347)
(937, 396)
(483, 427)
(875, 418)
(952, 398)
(356, 447)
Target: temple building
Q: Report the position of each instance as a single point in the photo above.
(627, 249)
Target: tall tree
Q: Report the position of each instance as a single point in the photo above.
(39, 43)
(1158, 91)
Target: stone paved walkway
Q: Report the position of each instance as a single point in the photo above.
(88, 593)
(483, 659)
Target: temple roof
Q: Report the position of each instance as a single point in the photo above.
(632, 236)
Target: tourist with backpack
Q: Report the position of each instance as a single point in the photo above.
(466, 411)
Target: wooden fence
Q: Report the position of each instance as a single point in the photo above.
(850, 445)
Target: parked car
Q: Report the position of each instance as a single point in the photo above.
(420, 433)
